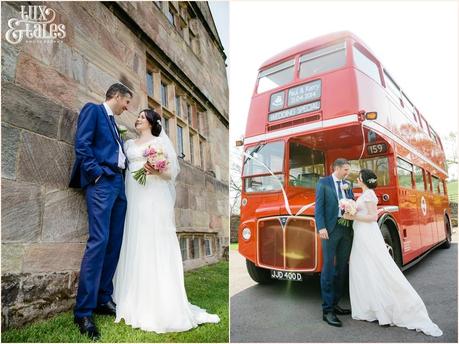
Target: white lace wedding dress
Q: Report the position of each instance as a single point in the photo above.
(378, 289)
(149, 285)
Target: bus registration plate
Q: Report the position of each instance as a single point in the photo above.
(286, 275)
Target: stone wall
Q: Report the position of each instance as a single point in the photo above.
(44, 85)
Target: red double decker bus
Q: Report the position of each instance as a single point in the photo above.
(327, 98)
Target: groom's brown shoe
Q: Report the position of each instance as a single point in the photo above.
(87, 327)
(342, 311)
(332, 319)
(108, 308)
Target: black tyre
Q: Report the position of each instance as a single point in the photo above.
(447, 243)
(392, 245)
(259, 275)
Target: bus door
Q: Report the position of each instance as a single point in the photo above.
(425, 209)
(408, 210)
(437, 208)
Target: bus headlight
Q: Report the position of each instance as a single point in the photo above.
(246, 233)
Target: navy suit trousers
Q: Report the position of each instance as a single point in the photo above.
(106, 204)
(335, 252)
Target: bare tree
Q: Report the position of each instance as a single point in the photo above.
(235, 180)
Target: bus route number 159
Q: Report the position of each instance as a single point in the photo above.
(377, 148)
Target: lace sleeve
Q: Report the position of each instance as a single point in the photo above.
(126, 145)
(370, 196)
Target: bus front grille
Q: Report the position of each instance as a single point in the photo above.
(287, 243)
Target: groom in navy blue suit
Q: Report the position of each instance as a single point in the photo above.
(98, 170)
(336, 239)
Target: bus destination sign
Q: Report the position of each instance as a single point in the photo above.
(275, 116)
(304, 93)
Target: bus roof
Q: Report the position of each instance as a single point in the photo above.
(319, 41)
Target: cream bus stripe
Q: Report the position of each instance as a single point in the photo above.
(301, 128)
(337, 121)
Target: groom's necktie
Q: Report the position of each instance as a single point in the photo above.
(112, 119)
(118, 138)
(340, 193)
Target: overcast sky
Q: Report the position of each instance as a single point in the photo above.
(416, 40)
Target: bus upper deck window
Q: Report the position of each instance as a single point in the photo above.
(323, 60)
(276, 76)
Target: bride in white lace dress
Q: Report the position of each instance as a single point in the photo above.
(378, 289)
(149, 285)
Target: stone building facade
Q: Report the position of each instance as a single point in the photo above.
(170, 54)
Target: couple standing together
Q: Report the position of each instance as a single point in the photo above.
(132, 265)
(378, 290)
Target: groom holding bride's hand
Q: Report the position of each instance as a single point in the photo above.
(336, 239)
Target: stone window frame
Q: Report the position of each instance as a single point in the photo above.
(180, 15)
(189, 237)
(171, 14)
(197, 126)
(211, 242)
(185, 240)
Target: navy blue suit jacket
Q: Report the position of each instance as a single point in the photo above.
(326, 207)
(96, 146)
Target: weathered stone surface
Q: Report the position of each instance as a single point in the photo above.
(71, 224)
(98, 80)
(21, 211)
(79, 68)
(183, 219)
(46, 81)
(67, 126)
(10, 145)
(53, 257)
(56, 54)
(27, 297)
(200, 218)
(182, 196)
(9, 61)
(12, 258)
(10, 288)
(28, 110)
(44, 161)
(215, 222)
(48, 287)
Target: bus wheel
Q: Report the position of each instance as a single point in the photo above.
(447, 243)
(392, 246)
(259, 275)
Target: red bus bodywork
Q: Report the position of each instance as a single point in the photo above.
(417, 217)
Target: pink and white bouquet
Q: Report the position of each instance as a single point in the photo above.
(347, 206)
(157, 158)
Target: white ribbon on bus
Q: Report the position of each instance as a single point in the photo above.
(286, 202)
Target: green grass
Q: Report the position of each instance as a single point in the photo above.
(206, 287)
(452, 189)
(234, 246)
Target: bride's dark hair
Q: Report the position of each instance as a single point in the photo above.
(369, 178)
(154, 119)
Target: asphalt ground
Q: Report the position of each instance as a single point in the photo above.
(290, 312)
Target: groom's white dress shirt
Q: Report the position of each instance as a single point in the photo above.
(335, 180)
(121, 156)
